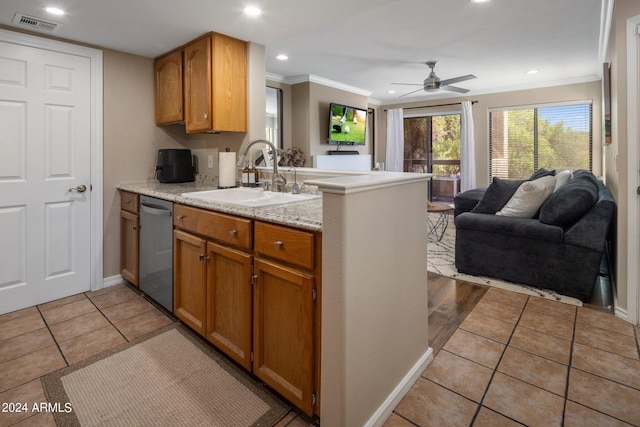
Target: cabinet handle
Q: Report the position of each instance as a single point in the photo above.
(134, 227)
(180, 217)
(233, 232)
(201, 257)
(206, 116)
(278, 244)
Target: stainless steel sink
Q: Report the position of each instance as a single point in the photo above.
(248, 197)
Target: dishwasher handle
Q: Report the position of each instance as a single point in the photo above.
(155, 210)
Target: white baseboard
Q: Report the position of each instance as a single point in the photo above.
(110, 281)
(384, 411)
(621, 313)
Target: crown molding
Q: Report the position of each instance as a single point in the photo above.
(606, 17)
(304, 78)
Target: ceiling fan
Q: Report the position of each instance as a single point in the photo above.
(433, 83)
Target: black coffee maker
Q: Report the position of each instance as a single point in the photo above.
(174, 165)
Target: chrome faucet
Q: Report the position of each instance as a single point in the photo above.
(277, 180)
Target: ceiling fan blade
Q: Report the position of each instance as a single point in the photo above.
(417, 90)
(409, 84)
(454, 89)
(457, 79)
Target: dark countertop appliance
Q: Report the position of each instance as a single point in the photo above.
(174, 165)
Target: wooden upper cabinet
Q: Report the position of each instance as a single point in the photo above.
(215, 84)
(168, 79)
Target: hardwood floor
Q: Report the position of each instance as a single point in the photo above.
(450, 301)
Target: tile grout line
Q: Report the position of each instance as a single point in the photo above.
(107, 319)
(495, 370)
(52, 336)
(566, 388)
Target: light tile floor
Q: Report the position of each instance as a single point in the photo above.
(39, 340)
(515, 360)
(519, 360)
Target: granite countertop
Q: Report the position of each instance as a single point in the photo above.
(305, 214)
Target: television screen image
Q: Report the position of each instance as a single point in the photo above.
(347, 125)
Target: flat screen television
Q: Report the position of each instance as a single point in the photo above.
(347, 125)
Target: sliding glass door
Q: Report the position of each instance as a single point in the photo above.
(432, 145)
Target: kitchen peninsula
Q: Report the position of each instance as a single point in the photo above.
(373, 289)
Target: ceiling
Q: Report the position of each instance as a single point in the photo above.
(363, 44)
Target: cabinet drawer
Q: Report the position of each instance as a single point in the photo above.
(223, 228)
(285, 244)
(129, 201)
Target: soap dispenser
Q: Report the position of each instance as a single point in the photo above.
(245, 174)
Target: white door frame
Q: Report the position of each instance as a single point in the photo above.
(95, 56)
(633, 170)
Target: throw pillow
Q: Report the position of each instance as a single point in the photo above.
(562, 178)
(542, 172)
(528, 198)
(570, 203)
(496, 196)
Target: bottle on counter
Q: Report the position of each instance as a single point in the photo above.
(254, 178)
(245, 174)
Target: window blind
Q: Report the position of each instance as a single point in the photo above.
(523, 140)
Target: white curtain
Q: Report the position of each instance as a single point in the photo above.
(395, 140)
(467, 149)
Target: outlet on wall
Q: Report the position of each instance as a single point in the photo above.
(210, 161)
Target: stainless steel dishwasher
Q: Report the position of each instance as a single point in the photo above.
(156, 250)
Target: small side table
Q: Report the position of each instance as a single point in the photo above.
(438, 226)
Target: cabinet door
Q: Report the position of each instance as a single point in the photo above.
(129, 246)
(197, 85)
(229, 302)
(189, 280)
(229, 73)
(283, 331)
(168, 79)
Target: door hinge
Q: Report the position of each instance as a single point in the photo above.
(314, 398)
(314, 294)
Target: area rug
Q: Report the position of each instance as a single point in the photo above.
(441, 260)
(169, 378)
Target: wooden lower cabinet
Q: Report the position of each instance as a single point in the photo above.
(129, 237)
(283, 334)
(129, 246)
(189, 280)
(252, 289)
(229, 302)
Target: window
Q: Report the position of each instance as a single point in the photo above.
(432, 144)
(523, 140)
(274, 116)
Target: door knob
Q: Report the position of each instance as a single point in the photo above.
(80, 188)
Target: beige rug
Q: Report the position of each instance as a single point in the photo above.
(441, 260)
(170, 378)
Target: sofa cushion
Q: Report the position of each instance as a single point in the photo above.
(515, 228)
(542, 172)
(528, 198)
(562, 177)
(571, 202)
(467, 200)
(497, 195)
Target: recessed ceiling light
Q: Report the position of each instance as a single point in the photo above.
(282, 57)
(252, 11)
(532, 72)
(55, 11)
(391, 91)
(479, 1)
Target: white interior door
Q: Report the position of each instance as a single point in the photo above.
(45, 134)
